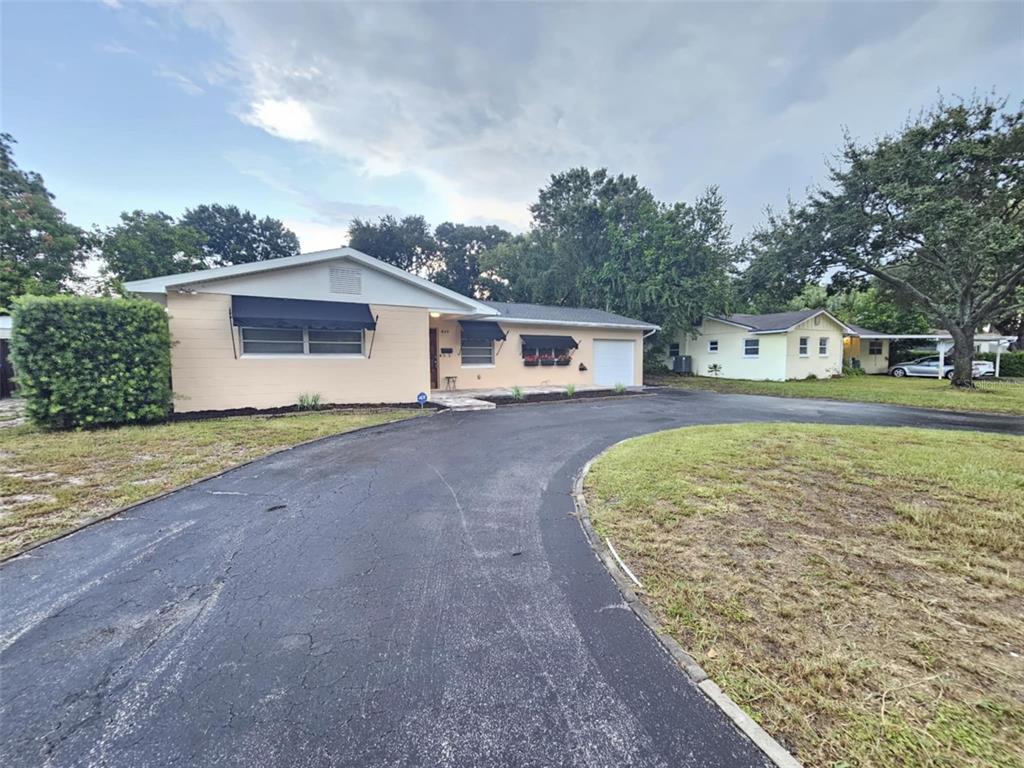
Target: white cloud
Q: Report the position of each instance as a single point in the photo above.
(117, 49)
(284, 118)
(185, 84)
(317, 236)
(483, 102)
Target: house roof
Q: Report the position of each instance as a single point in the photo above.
(546, 314)
(774, 322)
(860, 330)
(184, 279)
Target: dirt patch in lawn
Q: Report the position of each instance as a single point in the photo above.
(859, 591)
(51, 482)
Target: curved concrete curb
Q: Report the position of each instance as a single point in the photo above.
(771, 748)
(120, 510)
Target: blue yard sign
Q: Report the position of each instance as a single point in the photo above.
(421, 398)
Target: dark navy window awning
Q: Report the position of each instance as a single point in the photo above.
(262, 312)
(481, 330)
(549, 342)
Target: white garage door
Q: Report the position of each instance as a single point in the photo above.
(613, 362)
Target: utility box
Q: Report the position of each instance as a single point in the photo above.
(682, 364)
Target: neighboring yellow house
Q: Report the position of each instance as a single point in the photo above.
(866, 349)
(779, 346)
(354, 329)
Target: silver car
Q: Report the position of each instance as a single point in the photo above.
(929, 366)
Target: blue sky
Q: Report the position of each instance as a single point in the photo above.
(315, 113)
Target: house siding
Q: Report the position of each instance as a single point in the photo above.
(206, 375)
(508, 369)
(770, 362)
(858, 348)
(813, 364)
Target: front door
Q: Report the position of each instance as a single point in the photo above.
(433, 359)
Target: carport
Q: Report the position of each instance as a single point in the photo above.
(944, 343)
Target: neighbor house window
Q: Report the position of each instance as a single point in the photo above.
(823, 346)
(673, 350)
(805, 342)
(713, 345)
(477, 352)
(751, 347)
(875, 347)
(297, 341)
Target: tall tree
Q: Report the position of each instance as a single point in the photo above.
(234, 236)
(604, 241)
(407, 243)
(779, 263)
(148, 245)
(39, 249)
(457, 261)
(937, 213)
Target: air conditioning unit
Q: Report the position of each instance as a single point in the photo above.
(682, 364)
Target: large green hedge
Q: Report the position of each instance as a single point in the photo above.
(84, 361)
(1010, 363)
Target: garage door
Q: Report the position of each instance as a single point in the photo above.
(613, 362)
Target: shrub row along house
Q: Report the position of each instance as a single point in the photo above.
(354, 329)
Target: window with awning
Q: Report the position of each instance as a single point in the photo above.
(481, 330)
(306, 314)
(270, 326)
(547, 343)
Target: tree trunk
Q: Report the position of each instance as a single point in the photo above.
(963, 357)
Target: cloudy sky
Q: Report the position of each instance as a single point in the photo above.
(318, 112)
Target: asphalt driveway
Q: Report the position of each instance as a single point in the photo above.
(416, 594)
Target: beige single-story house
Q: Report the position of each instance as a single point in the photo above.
(354, 329)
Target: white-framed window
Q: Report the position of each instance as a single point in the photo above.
(334, 342)
(713, 346)
(823, 346)
(751, 347)
(477, 352)
(299, 341)
(805, 344)
(875, 347)
(673, 350)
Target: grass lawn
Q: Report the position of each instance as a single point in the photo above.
(858, 590)
(998, 396)
(53, 481)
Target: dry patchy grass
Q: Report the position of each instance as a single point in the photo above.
(858, 590)
(993, 396)
(53, 481)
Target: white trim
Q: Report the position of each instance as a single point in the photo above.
(303, 356)
(747, 354)
(477, 365)
(200, 277)
(718, 346)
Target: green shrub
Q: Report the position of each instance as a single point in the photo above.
(517, 394)
(309, 401)
(84, 361)
(570, 390)
(619, 388)
(1010, 363)
(849, 370)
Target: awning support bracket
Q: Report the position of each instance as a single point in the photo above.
(373, 338)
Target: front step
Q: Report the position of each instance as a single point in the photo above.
(461, 403)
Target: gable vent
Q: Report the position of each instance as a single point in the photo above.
(346, 280)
